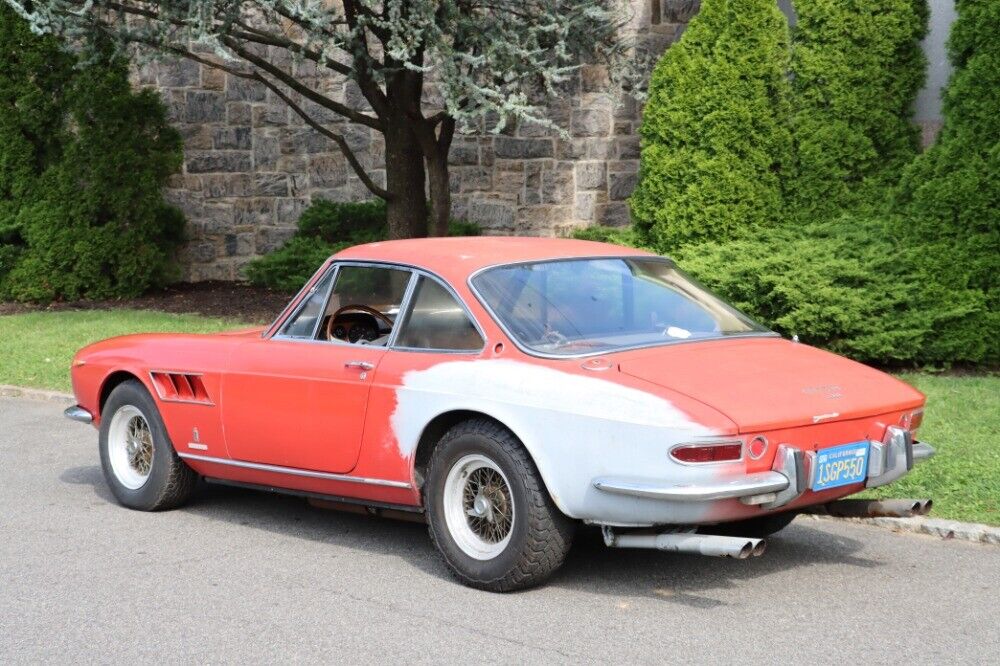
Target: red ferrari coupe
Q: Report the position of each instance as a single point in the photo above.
(506, 390)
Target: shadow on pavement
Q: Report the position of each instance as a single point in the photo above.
(590, 566)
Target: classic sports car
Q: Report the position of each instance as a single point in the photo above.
(505, 390)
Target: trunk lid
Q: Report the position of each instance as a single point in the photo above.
(768, 383)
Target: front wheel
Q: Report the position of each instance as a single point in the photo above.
(139, 461)
(490, 515)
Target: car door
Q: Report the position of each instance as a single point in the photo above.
(298, 399)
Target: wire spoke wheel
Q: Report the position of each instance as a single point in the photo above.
(130, 447)
(478, 507)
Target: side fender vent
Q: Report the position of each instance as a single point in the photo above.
(180, 387)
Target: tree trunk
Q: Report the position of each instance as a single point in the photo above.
(437, 174)
(405, 179)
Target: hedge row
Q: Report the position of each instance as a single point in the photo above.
(815, 237)
(82, 162)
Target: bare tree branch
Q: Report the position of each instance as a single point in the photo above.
(339, 139)
(299, 87)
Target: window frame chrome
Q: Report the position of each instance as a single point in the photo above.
(562, 357)
(332, 269)
(404, 307)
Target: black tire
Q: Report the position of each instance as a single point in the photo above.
(170, 481)
(754, 528)
(540, 535)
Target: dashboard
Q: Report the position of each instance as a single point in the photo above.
(355, 327)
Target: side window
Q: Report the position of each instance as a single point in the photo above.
(437, 321)
(364, 305)
(303, 323)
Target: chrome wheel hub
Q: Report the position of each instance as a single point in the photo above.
(130, 447)
(478, 507)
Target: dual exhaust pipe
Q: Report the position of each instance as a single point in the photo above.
(740, 548)
(859, 508)
(686, 542)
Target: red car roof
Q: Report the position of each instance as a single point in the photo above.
(466, 255)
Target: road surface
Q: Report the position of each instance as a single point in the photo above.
(240, 576)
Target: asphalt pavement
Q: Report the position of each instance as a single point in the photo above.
(240, 576)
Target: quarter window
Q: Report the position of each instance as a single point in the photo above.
(303, 323)
(437, 321)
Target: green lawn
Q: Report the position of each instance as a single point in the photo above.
(962, 419)
(36, 348)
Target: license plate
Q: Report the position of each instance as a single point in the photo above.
(840, 466)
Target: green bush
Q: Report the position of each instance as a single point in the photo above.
(856, 69)
(847, 286)
(324, 228)
(334, 222)
(288, 267)
(82, 163)
(949, 197)
(715, 137)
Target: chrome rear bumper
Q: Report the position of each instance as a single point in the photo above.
(78, 414)
(789, 478)
(751, 484)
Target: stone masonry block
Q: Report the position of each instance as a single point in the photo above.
(515, 148)
(590, 175)
(591, 122)
(621, 185)
(229, 161)
(204, 106)
(492, 214)
(235, 138)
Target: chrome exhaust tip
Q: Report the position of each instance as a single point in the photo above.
(737, 548)
(857, 508)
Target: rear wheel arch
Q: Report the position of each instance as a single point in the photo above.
(432, 434)
(441, 424)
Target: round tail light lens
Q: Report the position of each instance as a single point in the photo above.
(757, 447)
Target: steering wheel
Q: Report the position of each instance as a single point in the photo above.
(358, 308)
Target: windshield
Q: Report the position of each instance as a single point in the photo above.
(580, 306)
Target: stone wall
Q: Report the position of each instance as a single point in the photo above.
(251, 165)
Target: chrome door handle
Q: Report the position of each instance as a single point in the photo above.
(361, 365)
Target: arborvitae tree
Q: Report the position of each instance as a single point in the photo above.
(34, 73)
(715, 140)
(856, 69)
(949, 197)
(82, 162)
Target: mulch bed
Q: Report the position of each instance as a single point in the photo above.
(255, 305)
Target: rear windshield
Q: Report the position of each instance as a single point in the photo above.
(578, 306)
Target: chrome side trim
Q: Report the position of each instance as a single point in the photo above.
(749, 484)
(294, 471)
(78, 414)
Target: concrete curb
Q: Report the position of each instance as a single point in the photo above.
(8, 391)
(937, 527)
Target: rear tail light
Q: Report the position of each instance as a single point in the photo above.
(912, 420)
(708, 453)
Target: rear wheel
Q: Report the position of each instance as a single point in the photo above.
(138, 459)
(490, 515)
(755, 528)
